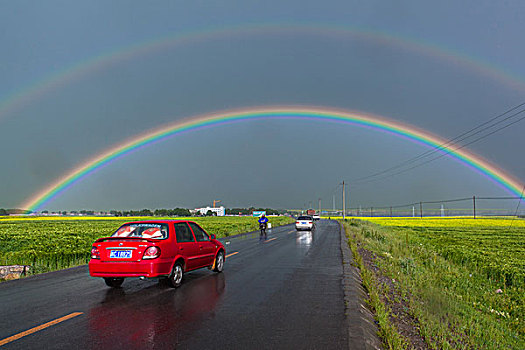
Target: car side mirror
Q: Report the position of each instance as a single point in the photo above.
(213, 237)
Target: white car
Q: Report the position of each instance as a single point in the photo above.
(304, 223)
(316, 217)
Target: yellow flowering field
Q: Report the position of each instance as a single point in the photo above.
(24, 218)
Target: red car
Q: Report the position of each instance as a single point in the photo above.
(163, 249)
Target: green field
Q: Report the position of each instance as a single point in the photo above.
(495, 246)
(52, 243)
(462, 277)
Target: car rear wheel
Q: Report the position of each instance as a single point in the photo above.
(114, 282)
(219, 262)
(175, 278)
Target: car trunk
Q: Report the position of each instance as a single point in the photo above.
(122, 249)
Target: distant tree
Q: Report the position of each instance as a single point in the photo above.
(45, 212)
(180, 212)
(236, 211)
(3, 212)
(161, 212)
(209, 213)
(145, 212)
(248, 211)
(64, 212)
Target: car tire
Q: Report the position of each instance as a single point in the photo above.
(219, 262)
(175, 277)
(113, 282)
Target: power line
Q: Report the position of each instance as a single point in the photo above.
(442, 147)
(458, 148)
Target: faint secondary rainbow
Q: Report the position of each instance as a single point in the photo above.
(37, 201)
(61, 78)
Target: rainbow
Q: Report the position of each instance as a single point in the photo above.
(37, 201)
(61, 78)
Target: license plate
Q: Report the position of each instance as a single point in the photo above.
(120, 254)
(303, 223)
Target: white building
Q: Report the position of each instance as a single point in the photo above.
(219, 211)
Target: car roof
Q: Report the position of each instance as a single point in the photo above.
(156, 221)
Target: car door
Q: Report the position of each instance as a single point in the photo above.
(186, 245)
(205, 247)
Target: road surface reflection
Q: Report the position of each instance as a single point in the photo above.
(304, 239)
(154, 317)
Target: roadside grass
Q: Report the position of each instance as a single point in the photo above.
(387, 331)
(54, 243)
(460, 300)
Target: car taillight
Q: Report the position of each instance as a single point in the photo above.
(297, 222)
(151, 253)
(310, 222)
(95, 254)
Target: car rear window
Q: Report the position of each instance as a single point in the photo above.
(144, 230)
(304, 218)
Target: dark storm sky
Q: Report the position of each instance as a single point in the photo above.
(285, 164)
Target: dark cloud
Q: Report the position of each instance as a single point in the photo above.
(272, 163)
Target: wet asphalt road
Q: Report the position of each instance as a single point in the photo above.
(285, 293)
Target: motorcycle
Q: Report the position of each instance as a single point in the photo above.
(262, 227)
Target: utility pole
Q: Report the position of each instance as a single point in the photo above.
(319, 206)
(344, 204)
(474, 202)
(334, 203)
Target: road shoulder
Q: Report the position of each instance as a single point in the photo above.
(362, 330)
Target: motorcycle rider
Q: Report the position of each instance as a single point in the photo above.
(263, 223)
